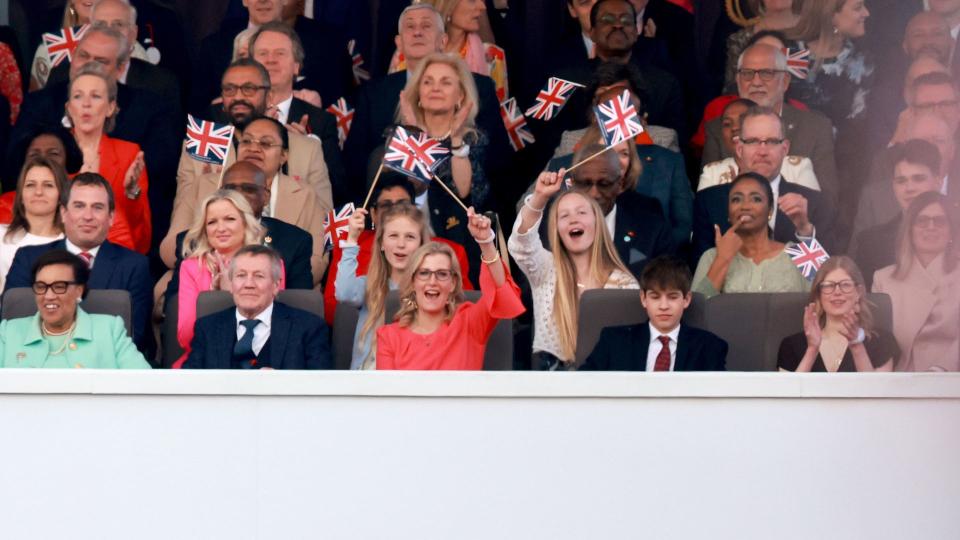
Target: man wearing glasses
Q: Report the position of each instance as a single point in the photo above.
(762, 77)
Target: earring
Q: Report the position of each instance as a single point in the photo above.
(456, 108)
(836, 30)
(419, 104)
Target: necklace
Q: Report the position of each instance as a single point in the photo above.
(68, 332)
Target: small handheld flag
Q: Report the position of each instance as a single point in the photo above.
(416, 161)
(359, 73)
(808, 257)
(344, 114)
(798, 62)
(336, 225)
(61, 45)
(618, 119)
(516, 125)
(208, 141)
(552, 98)
(430, 151)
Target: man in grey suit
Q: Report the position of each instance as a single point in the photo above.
(762, 77)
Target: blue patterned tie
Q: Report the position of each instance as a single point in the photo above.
(243, 350)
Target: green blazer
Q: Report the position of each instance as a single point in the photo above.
(99, 341)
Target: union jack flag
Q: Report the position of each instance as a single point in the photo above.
(359, 73)
(429, 151)
(808, 257)
(516, 125)
(404, 159)
(552, 98)
(208, 141)
(344, 115)
(618, 119)
(61, 45)
(336, 225)
(798, 62)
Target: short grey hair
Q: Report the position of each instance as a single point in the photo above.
(256, 250)
(779, 59)
(758, 110)
(133, 10)
(118, 36)
(421, 5)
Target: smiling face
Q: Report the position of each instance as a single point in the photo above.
(440, 90)
(844, 296)
(762, 147)
(912, 179)
(275, 51)
(48, 146)
(928, 33)
(40, 192)
(264, 11)
(851, 20)
(615, 31)
(930, 233)
(58, 310)
(252, 284)
(665, 307)
(767, 93)
(89, 104)
(730, 125)
(419, 34)
(401, 237)
(576, 223)
(466, 15)
(254, 143)
(433, 291)
(224, 226)
(749, 205)
(239, 106)
(87, 218)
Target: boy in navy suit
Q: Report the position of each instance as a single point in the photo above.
(663, 343)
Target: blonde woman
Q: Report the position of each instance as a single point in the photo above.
(435, 328)
(224, 225)
(402, 230)
(583, 258)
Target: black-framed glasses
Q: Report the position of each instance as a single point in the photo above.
(247, 188)
(603, 185)
(385, 205)
(846, 286)
(767, 75)
(442, 275)
(609, 19)
(936, 106)
(927, 222)
(247, 90)
(754, 141)
(58, 287)
(263, 144)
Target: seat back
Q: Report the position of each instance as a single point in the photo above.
(600, 308)
(498, 355)
(308, 300)
(22, 302)
(344, 327)
(168, 334)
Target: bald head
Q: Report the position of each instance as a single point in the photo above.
(247, 179)
(928, 33)
(117, 14)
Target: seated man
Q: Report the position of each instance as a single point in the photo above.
(87, 210)
(259, 333)
(663, 343)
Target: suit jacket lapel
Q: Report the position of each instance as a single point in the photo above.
(644, 343)
(228, 329)
(279, 332)
(683, 350)
(290, 200)
(104, 265)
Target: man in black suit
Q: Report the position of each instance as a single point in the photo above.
(87, 211)
(763, 144)
(278, 48)
(259, 333)
(663, 343)
(421, 33)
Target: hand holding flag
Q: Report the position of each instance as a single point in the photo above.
(207, 141)
(336, 225)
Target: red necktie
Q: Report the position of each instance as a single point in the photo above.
(663, 358)
(87, 258)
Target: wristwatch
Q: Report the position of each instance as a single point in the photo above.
(461, 151)
(861, 335)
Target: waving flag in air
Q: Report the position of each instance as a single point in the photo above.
(429, 151)
(208, 141)
(336, 225)
(552, 98)
(798, 62)
(618, 119)
(344, 114)
(61, 45)
(516, 125)
(359, 73)
(808, 257)
(404, 159)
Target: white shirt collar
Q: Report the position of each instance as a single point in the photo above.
(122, 76)
(655, 334)
(588, 44)
(271, 209)
(611, 220)
(775, 186)
(943, 187)
(264, 316)
(284, 109)
(76, 250)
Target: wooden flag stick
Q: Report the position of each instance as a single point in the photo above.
(589, 158)
(376, 179)
(452, 194)
(223, 168)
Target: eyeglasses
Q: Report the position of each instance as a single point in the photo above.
(59, 287)
(247, 90)
(927, 222)
(263, 144)
(604, 185)
(765, 74)
(246, 188)
(846, 286)
(611, 19)
(753, 141)
(442, 275)
(936, 106)
(384, 205)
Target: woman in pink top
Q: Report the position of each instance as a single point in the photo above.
(435, 328)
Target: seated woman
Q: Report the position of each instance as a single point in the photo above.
(61, 334)
(435, 328)
(838, 331)
(91, 109)
(924, 286)
(746, 258)
(54, 143)
(402, 230)
(583, 258)
(225, 225)
(36, 215)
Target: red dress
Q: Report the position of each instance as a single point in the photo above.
(458, 344)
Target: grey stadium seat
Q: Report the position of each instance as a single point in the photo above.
(22, 302)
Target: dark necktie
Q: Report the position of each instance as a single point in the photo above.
(663, 357)
(243, 350)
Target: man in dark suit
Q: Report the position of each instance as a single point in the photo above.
(259, 333)
(279, 49)
(801, 213)
(663, 343)
(87, 211)
(810, 133)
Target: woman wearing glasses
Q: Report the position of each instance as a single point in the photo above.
(924, 286)
(435, 328)
(61, 334)
(838, 327)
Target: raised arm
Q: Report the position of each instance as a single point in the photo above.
(547, 185)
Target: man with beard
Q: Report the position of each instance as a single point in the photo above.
(244, 89)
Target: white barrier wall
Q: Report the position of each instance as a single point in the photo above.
(334, 455)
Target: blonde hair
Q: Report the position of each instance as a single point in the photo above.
(842, 262)
(408, 296)
(94, 69)
(631, 175)
(905, 248)
(467, 87)
(378, 273)
(816, 20)
(196, 244)
(603, 261)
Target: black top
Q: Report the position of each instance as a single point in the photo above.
(880, 347)
(625, 348)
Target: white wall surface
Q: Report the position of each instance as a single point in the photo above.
(478, 455)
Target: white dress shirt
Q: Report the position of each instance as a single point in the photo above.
(655, 346)
(271, 209)
(73, 248)
(261, 332)
(587, 44)
(775, 186)
(611, 220)
(283, 110)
